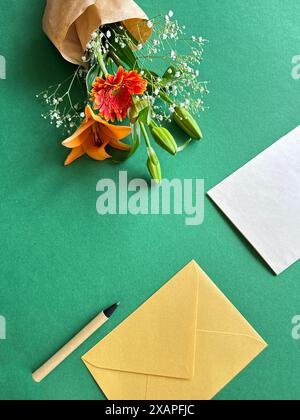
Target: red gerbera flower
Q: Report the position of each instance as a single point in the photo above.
(113, 96)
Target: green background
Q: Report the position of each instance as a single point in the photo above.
(61, 262)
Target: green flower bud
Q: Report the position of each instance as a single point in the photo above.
(187, 123)
(154, 166)
(164, 139)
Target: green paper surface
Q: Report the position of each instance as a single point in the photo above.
(61, 263)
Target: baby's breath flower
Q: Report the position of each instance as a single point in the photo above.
(61, 110)
(180, 53)
(182, 81)
(173, 55)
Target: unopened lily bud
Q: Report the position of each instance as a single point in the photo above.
(187, 123)
(154, 166)
(164, 139)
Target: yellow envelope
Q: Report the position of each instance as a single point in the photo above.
(185, 343)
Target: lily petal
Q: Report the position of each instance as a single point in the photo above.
(74, 155)
(116, 132)
(76, 139)
(97, 153)
(90, 115)
(116, 144)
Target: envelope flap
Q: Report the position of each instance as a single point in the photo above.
(220, 316)
(160, 337)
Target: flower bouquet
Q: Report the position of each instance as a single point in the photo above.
(143, 73)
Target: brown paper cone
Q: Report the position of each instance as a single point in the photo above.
(70, 23)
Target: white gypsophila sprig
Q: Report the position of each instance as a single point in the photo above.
(170, 46)
(106, 42)
(64, 111)
(99, 44)
(170, 52)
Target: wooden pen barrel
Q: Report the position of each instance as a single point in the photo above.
(69, 348)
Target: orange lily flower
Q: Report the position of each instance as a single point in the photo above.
(92, 138)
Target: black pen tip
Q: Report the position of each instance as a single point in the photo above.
(109, 311)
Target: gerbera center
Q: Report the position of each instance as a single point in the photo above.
(116, 91)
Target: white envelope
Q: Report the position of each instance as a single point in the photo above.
(263, 201)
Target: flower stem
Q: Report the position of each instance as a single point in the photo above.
(144, 131)
(166, 98)
(101, 62)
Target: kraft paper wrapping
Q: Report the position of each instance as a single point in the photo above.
(70, 23)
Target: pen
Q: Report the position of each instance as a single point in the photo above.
(74, 344)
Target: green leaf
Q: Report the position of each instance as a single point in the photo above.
(111, 65)
(94, 72)
(137, 107)
(146, 116)
(121, 156)
(126, 55)
(142, 104)
(136, 138)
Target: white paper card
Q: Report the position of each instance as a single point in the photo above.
(263, 201)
